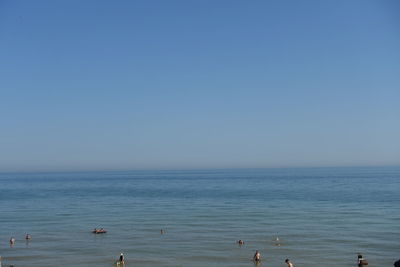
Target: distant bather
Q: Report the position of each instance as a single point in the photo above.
(257, 256)
(361, 261)
(121, 260)
(99, 231)
(289, 264)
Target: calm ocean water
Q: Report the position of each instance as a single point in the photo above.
(323, 217)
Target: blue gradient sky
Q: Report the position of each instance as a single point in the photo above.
(90, 85)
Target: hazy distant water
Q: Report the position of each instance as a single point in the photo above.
(322, 216)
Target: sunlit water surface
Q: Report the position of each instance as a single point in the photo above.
(323, 217)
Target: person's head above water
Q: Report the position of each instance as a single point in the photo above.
(289, 264)
(257, 256)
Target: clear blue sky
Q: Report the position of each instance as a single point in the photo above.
(91, 85)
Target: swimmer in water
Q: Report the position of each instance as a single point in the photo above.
(121, 260)
(162, 231)
(99, 231)
(277, 242)
(360, 260)
(28, 237)
(289, 264)
(257, 256)
(240, 242)
(12, 241)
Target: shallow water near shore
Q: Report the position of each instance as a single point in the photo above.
(322, 216)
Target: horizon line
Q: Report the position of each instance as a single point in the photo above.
(195, 169)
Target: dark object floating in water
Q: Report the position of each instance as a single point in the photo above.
(361, 261)
(99, 231)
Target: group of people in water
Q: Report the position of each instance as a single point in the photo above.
(256, 258)
(12, 242)
(12, 239)
(257, 254)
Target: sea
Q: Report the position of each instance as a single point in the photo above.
(313, 216)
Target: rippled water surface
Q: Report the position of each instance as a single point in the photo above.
(323, 217)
